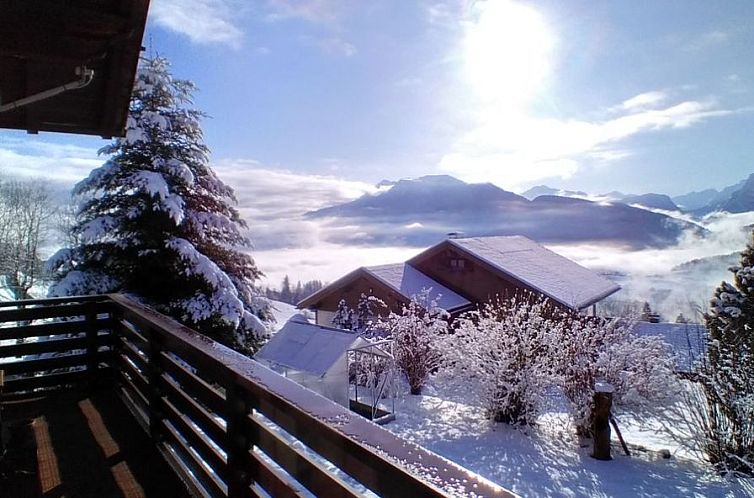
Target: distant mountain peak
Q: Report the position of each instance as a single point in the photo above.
(438, 180)
(540, 190)
(386, 183)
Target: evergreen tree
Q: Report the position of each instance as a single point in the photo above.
(728, 377)
(367, 310)
(343, 318)
(285, 290)
(156, 222)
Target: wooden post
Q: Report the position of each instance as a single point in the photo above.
(91, 348)
(603, 401)
(238, 444)
(154, 373)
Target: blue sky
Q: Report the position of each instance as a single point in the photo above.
(597, 96)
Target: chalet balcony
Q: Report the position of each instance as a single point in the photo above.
(105, 397)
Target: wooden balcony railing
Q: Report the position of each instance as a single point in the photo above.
(226, 424)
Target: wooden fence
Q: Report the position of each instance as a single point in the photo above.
(226, 424)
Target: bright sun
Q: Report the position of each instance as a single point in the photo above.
(507, 52)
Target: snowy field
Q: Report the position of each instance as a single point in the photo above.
(283, 312)
(549, 461)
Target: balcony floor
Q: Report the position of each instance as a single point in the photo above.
(71, 444)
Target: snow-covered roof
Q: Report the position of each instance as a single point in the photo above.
(409, 281)
(307, 347)
(547, 272)
(688, 341)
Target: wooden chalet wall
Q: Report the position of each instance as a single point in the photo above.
(351, 293)
(473, 281)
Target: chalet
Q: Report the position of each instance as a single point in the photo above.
(395, 284)
(466, 272)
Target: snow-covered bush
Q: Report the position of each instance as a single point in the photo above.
(503, 353)
(415, 333)
(641, 369)
(157, 223)
(727, 377)
(514, 352)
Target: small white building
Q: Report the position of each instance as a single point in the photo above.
(312, 355)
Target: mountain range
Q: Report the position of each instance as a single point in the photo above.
(738, 198)
(420, 211)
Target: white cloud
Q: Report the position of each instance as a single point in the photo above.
(653, 274)
(514, 148)
(317, 11)
(274, 201)
(706, 40)
(35, 158)
(337, 46)
(509, 54)
(446, 13)
(203, 21)
(644, 100)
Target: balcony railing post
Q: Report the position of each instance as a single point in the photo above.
(238, 444)
(154, 373)
(91, 347)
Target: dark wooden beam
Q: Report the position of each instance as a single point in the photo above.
(60, 16)
(41, 44)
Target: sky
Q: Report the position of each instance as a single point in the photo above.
(318, 100)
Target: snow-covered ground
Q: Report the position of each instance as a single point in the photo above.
(549, 461)
(282, 312)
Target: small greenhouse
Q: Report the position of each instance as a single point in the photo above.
(371, 377)
(312, 355)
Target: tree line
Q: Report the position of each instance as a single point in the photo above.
(292, 294)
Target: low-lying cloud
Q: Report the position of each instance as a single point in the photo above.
(675, 279)
(33, 158)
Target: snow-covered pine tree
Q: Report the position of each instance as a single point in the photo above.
(343, 318)
(728, 376)
(156, 222)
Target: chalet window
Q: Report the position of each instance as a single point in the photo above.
(457, 264)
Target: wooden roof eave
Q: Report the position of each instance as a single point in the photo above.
(312, 300)
(43, 42)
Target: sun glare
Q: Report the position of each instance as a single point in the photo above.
(507, 52)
